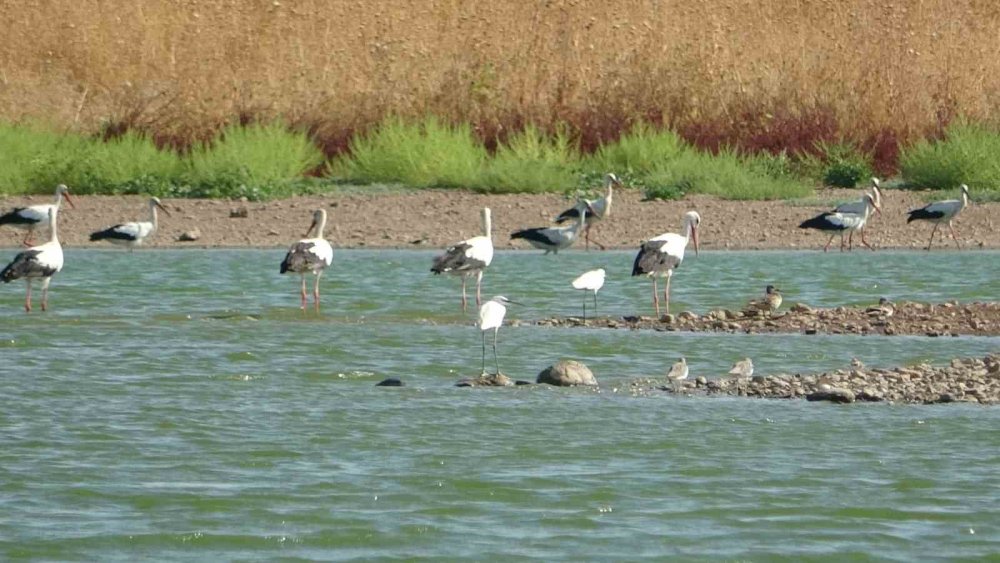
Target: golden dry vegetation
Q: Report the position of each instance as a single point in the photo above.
(759, 73)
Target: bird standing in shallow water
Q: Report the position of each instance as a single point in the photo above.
(35, 216)
(678, 373)
(469, 257)
(589, 281)
(659, 256)
(310, 255)
(941, 212)
(596, 209)
(741, 371)
(132, 234)
(491, 316)
(42, 261)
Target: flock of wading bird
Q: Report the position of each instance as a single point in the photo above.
(658, 257)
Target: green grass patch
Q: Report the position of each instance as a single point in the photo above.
(968, 154)
(531, 162)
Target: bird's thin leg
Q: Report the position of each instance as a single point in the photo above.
(479, 288)
(841, 241)
(484, 352)
(27, 298)
(850, 240)
(464, 301)
(666, 294)
(27, 237)
(828, 243)
(495, 358)
(656, 298)
(584, 308)
(595, 304)
(45, 294)
(303, 292)
(586, 237)
(865, 241)
(954, 236)
(316, 290)
(934, 230)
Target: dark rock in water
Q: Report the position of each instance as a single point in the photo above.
(833, 394)
(390, 382)
(486, 380)
(523, 382)
(565, 373)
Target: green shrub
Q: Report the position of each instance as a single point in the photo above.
(532, 162)
(640, 151)
(842, 165)
(726, 175)
(968, 154)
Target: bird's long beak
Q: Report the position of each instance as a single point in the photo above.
(163, 209)
(694, 235)
(878, 209)
(311, 226)
(69, 200)
(514, 302)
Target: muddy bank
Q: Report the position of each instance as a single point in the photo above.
(942, 319)
(969, 380)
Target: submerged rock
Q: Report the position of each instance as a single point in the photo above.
(565, 373)
(486, 380)
(390, 382)
(833, 394)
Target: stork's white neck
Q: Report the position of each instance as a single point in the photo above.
(152, 213)
(320, 225)
(487, 223)
(53, 216)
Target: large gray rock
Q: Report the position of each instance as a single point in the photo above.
(565, 373)
(833, 394)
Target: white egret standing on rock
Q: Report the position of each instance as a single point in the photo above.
(589, 281)
(552, 239)
(468, 258)
(597, 209)
(678, 373)
(310, 255)
(35, 216)
(42, 261)
(132, 234)
(941, 212)
(660, 255)
(491, 316)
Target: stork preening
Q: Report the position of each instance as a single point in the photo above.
(677, 374)
(310, 255)
(659, 256)
(596, 209)
(941, 212)
(552, 239)
(38, 262)
(857, 207)
(35, 216)
(836, 222)
(589, 281)
(469, 258)
(491, 316)
(135, 233)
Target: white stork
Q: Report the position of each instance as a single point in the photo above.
(35, 216)
(857, 207)
(659, 256)
(491, 316)
(42, 261)
(552, 239)
(469, 258)
(135, 233)
(310, 255)
(941, 212)
(836, 223)
(589, 281)
(597, 209)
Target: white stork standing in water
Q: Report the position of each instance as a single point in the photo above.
(841, 223)
(941, 212)
(589, 281)
(659, 256)
(42, 261)
(553, 239)
(597, 209)
(310, 255)
(857, 207)
(135, 233)
(469, 258)
(35, 216)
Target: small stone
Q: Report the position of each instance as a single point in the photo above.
(190, 236)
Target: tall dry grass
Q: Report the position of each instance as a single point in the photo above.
(758, 74)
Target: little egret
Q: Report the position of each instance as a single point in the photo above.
(589, 281)
(491, 316)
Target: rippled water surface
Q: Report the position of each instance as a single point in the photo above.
(178, 405)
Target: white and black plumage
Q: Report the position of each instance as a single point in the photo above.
(135, 233)
(310, 255)
(941, 212)
(857, 207)
(678, 373)
(835, 222)
(741, 371)
(596, 209)
(491, 316)
(592, 280)
(38, 262)
(659, 256)
(469, 258)
(552, 239)
(35, 216)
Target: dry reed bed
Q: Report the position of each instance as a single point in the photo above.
(762, 73)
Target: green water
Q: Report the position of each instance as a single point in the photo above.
(178, 405)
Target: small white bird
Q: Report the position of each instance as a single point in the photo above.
(941, 212)
(135, 233)
(468, 258)
(310, 255)
(589, 281)
(842, 223)
(678, 373)
(552, 239)
(659, 256)
(597, 209)
(35, 216)
(741, 370)
(38, 262)
(491, 316)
